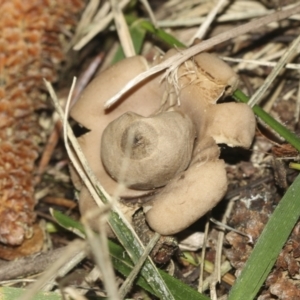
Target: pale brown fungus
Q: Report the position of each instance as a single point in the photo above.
(168, 134)
(201, 82)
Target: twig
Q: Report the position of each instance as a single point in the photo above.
(48, 151)
(272, 98)
(86, 76)
(221, 224)
(129, 280)
(202, 265)
(216, 275)
(29, 265)
(63, 202)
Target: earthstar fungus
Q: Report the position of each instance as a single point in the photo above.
(161, 140)
(147, 144)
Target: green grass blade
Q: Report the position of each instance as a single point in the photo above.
(11, 293)
(269, 245)
(161, 34)
(67, 223)
(265, 117)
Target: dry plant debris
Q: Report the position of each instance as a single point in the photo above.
(31, 48)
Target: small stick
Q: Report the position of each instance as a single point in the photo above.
(48, 151)
(129, 280)
(60, 202)
(232, 229)
(29, 265)
(86, 76)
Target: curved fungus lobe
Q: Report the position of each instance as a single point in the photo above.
(161, 144)
(190, 195)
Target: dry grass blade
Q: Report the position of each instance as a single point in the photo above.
(173, 62)
(98, 243)
(85, 173)
(119, 224)
(209, 19)
(122, 29)
(73, 254)
(238, 13)
(259, 62)
(224, 269)
(150, 12)
(85, 20)
(100, 250)
(205, 241)
(257, 96)
(98, 27)
(297, 112)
